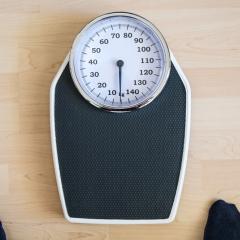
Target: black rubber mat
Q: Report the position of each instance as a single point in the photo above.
(120, 166)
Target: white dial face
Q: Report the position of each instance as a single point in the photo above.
(119, 62)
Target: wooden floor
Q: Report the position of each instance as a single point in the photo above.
(35, 37)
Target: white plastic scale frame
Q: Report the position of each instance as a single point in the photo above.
(183, 166)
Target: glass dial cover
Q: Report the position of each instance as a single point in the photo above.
(120, 62)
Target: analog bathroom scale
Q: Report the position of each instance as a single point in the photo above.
(120, 124)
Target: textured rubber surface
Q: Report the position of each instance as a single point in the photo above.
(120, 166)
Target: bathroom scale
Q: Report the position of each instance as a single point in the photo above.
(120, 124)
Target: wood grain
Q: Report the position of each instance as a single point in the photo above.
(34, 39)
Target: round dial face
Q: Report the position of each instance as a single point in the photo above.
(119, 62)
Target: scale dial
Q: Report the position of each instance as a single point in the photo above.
(120, 62)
